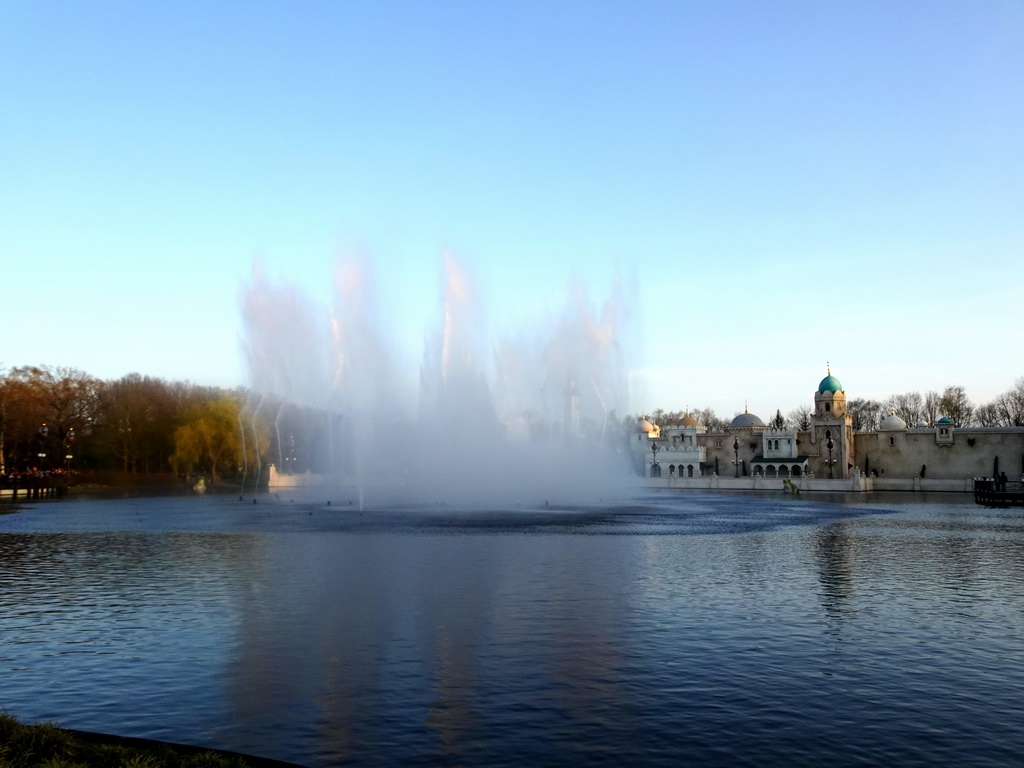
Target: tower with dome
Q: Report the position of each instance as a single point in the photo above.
(831, 435)
(894, 456)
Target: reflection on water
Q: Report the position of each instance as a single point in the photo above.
(706, 629)
(833, 550)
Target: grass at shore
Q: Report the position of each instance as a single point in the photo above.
(47, 746)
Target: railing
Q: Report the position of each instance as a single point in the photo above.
(992, 492)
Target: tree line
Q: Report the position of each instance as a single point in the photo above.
(64, 420)
(1006, 410)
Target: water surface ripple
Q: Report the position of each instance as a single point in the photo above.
(696, 629)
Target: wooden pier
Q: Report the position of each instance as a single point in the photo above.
(30, 487)
(990, 492)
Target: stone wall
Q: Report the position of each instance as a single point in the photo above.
(971, 453)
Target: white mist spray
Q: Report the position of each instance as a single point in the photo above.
(523, 420)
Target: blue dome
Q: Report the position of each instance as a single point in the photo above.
(746, 420)
(944, 420)
(830, 384)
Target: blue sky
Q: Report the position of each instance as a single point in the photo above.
(778, 184)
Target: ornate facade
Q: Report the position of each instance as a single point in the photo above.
(830, 449)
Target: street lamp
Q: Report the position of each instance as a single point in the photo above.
(44, 433)
(654, 459)
(830, 445)
(69, 439)
(736, 451)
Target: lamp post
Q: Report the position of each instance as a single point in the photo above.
(736, 451)
(44, 433)
(654, 458)
(830, 445)
(69, 439)
(288, 455)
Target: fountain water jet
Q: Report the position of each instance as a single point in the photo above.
(515, 419)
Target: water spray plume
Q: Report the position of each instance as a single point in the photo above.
(498, 420)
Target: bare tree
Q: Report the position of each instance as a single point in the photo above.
(778, 421)
(1011, 405)
(673, 418)
(956, 406)
(800, 418)
(866, 414)
(932, 400)
(20, 417)
(67, 397)
(909, 406)
(989, 415)
(4, 398)
(137, 421)
(706, 418)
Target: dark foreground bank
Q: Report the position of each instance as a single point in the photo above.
(45, 744)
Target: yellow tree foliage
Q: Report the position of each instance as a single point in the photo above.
(209, 438)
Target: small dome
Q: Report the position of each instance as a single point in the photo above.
(646, 426)
(746, 419)
(921, 423)
(892, 423)
(944, 420)
(689, 421)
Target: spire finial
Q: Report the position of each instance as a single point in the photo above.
(828, 367)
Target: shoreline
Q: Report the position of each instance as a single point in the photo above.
(29, 744)
(805, 484)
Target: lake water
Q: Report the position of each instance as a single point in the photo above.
(674, 629)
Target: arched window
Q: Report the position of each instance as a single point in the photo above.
(892, 440)
(776, 445)
(796, 471)
(783, 471)
(689, 470)
(771, 470)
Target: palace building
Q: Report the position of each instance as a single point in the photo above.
(895, 455)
